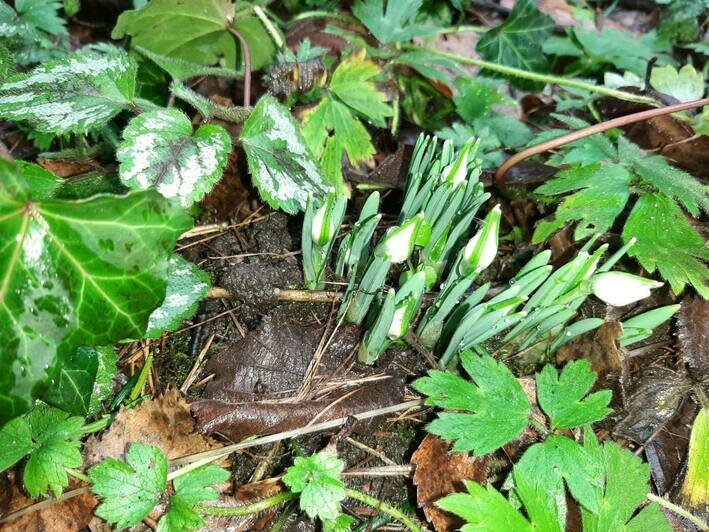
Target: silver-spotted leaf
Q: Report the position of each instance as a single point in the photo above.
(281, 165)
(160, 151)
(74, 273)
(187, 285)
(75, 94)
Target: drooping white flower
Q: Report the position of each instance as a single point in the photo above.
(398, 245)
(481, 250)
(618, 288)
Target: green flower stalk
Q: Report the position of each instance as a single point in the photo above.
(394, 318)
(320, 227)
(396, 246)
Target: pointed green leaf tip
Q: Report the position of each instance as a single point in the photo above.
(74, 94)
(494, 408)
(187, 285)
(317, 479)
(395, 23)
(74, 273)
(281, 165)
(159, 151)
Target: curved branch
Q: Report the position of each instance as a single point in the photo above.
(591, 130)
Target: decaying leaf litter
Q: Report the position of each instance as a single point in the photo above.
(440, 339)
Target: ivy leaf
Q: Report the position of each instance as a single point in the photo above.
(73, 387)
(187, 285)
(625, 483)
(74, 273)
(497, 408)
(518, 41)
(72, 95)
(281, 165)
(317, 479)
(668, 243)
(160, 151)
(190, 490)
(684, 85)
(564, 397)
(352, 83)
(602, 192)
(396, 23)
(105, 373)
(193, 31)
(130, 490)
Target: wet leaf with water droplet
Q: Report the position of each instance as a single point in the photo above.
(74, 273)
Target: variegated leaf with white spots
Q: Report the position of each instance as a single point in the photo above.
(281, 165)
(187, 285)
(72, 95)
(160, 151)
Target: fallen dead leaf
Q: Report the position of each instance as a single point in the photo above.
(440, 472)
(601, 349)
(65, 168)
(256, 378)
(164, 422)
(72, 514)
(693, 335)
(652, 401)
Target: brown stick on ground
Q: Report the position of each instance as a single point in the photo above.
(592, 130)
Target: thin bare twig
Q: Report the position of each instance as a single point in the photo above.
(307, 296)
(591, 130)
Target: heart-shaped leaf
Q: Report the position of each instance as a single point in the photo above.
(74, 273)
(159, 151)
(281, 165)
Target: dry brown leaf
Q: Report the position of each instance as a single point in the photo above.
(69, 515)
(65, 168)
(440, 472)
(164, 422)
(601, 349)
(693, 321)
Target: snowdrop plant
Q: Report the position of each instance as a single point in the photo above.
(534, 314)
(320, 227)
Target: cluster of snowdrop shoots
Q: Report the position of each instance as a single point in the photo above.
(443, 194)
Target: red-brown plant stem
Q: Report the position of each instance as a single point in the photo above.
(591, 130)
(246, 53)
